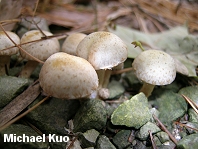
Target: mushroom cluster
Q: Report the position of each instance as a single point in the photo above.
(154, 67)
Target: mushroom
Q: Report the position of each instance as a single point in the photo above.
(41, 49)
(154, 67)
(71, 42)
(68, 77)
(104, 50)
(5, 54)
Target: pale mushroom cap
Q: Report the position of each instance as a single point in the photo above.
(67, 76)
(5, 42)
(41, 49)
(71, 42)
(104, 50)
(155, 67)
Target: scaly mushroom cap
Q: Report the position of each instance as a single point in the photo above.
(67, 76)
(155, 67)
(71, 42)
(5, 43)
(41, 49)
(104, 50)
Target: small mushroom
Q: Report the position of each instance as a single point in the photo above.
(154, 67)
(41, 49)
(5, 54)
(104, 50)
(68, 77)
(71, 42)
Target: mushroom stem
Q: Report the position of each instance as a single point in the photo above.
(28, 69)
(4, 64)
(101, 74)
(106, 78)
(147, 89)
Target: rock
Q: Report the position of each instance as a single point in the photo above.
(53, 115)
(19, 130)
(104, 143)
(133, 112)
(91, 115)
(115, 89)
(88, 138)
(75, 144)
(132, 80)
(143, 133)
(192, 125)
(163, 137)
(10, 87)
(193, 116)
(121, 139)
(155, 112)
(191, 92)
(171, 107)
(188, 142)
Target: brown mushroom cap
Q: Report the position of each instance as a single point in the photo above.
(5, 43)
(155, 67)
(104, 50)
(41, 49)
(71, 42)
(67, 76)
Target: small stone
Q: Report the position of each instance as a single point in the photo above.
(190, 127)
(88, 138)
(163, 137)
(190, 92)
(75, 145)
(133, 112)
(193, 116)
(104, 143)
(115, 89)
(143, 133)
(171, 107)
(121, 139)
(188, 142)
(10, 87)
(53, 115)
(91, 115)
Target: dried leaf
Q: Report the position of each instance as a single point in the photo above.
(19, 103)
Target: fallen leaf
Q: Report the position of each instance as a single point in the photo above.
(177, 42)
(19, 103)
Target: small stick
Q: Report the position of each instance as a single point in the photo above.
(115, 72)
(153, 143)
(42, 38)
(184, 125)
(165, 129)
(193, 105)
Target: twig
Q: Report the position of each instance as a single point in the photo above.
(193, 105)
(153, 143)
(165, 129)
(184, 125)
(115, 72)
(42, 38)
